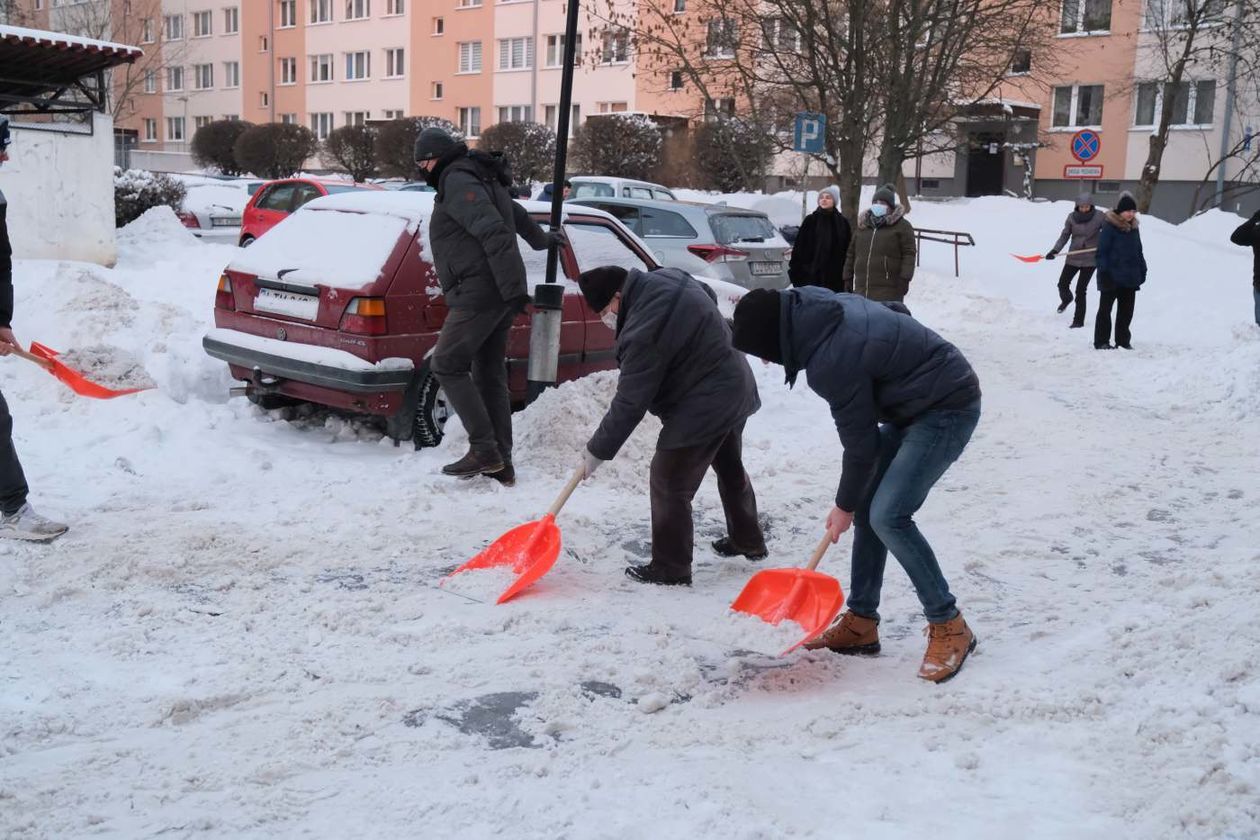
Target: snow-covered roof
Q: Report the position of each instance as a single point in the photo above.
(415, 207)
(73, 43)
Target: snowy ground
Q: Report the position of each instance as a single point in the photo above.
(241, 636)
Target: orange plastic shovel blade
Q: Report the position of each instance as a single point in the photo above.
(530, 549)
(1036, 258)
(811, 599)
(77, 382)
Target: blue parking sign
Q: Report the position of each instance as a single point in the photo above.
(810, 133)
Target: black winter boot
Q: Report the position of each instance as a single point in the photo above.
(726, 548)
(647, 574)
(474, 464)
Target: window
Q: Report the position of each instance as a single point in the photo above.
(201, 122)
(666, 223)
(231, 21)
(515, 113)
(358, 65)
(146, 37)
(322, 68)
(616, 47)
(1193, 103)
(1084, 16)
(470, 57)
(288, 71)
(279, 197)
(470, 121)
(555, 50)
(231, 74)
(150, 131)
(322, 125)
(516, 53)
(780, 35)
(469, 4)
(203, 24)
(721, 107)
(150, 81)
(264, 99)
(175, 129)
(1107, 187)
(288, 119)
(263, 43)
(680, 6)
(436, 92)
(288, 14)
(1078, 106)
(395, 7)
(393, 115)
(676, 80)
(1021, 62)
(174, 78)
(1179, 14)
(321, 12)
(358, 9)
(439, 26)
(357, 117)
(395, 63)
(722, 37)
(612, 107)
(173, 27)
(203, 76)
(231, 117)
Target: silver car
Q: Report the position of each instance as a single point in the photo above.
(706, 240)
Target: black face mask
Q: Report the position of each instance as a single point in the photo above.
(431, 176)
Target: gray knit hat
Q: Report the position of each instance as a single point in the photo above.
(886, 194)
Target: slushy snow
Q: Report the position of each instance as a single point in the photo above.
(242, 635)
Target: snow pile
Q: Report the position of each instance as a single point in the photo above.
(109, 366)
(750, 633)
(155, 232)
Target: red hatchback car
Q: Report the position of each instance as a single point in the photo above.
(275, 200)
(340, 305)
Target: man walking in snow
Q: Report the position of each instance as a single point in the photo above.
(879, 264)
(676, 360)
(1248, 233)
(1082, 228)
(905, 403)
(19, 520)
(473, 233)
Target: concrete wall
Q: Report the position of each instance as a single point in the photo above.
(49, 218)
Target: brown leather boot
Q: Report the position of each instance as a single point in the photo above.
(852, 635)
(949, 642)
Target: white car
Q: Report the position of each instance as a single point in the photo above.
(598, 186)
(212, 212)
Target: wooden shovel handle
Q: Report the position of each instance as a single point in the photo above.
(1081, 251)
(567, 491)
(46, 364)
(817, 556)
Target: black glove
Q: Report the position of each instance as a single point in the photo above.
(520, 304)
(1050, 255)
(1256, 217)
(556, 238)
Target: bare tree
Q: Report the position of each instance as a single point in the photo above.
(1184, 40)
(1244, 154)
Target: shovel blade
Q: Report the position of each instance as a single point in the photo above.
(76, 381)
(1036, 258)
(530, 549)
(811, 599)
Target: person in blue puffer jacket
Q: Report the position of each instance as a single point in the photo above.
(905, 402)
(1121, 272)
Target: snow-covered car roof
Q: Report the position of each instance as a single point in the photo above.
(415, 207)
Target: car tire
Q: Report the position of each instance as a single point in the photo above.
(422, 418)
(246, 241)
(271, 402)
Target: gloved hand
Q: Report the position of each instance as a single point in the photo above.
(589, 464)
(1051, 255)
(556, 238)
(1255, 217)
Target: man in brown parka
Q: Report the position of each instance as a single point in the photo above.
(880, 262)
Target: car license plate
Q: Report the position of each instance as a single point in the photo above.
(766, 267)
(289, 304)
(226, 221)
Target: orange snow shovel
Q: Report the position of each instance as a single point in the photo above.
(530, 549)
(46, 358)
(1036, 258)
(805, 596)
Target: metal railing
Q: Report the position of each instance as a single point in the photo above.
(959, 239)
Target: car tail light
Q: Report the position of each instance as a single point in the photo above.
(223, 297)
(713, 253)
(365, 316)
(787, 254)
(189, 219)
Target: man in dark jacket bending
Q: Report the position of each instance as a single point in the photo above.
(473, 235)
(905, 403)
(676, 360)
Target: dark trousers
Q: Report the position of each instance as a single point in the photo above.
(470, 362)
(13, 487)
(1124, 316)
(675, 477)
(1086, 273)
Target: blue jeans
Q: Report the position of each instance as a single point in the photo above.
(911, 461)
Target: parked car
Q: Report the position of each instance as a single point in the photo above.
(595, 186)
(275, 200)
(212, 212)
(405, 186)
(339, 305)
(707, 240)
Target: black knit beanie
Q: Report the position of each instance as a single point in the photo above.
(1126, 202)
(432, 143)
(756, 325)
(599, 285)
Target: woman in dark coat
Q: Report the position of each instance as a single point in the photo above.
(1082, 228)
(821, 245)
(1121, 272)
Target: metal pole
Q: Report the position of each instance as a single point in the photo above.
(1231, 86)
(805, 189)
(544, 340)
